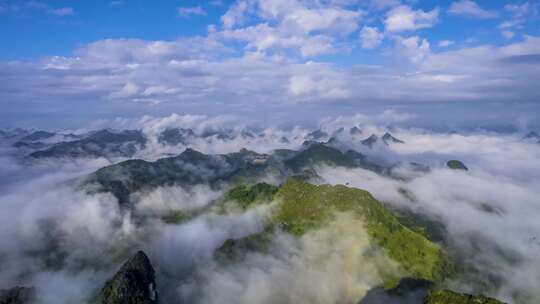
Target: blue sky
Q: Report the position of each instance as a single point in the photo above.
(81, 60)
(36, 31)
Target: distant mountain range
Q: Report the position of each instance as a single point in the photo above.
(415, 242)
(126, 143)
(192, 167)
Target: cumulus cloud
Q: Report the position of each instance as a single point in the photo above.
(263, 37)
(414, 48)
(190, 75)
(234, 15)
(404, 18)
(324, 87)
(308, 28)
(191, 11)
(471, 9)
(371, 37)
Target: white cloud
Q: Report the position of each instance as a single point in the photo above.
(404, 18)
(234, 15)
(519, 14)
(309, 28)
(519, 11)
(19, 6)
(302, 17)
(263, 37)
(379, 5)
(391, 116)
(187, 74)
(128, 90)
(445, 43)
(471, 9)
(191, 11)
(64, 11)
(510, 23)
(371, 37)
(319, 87)
(322, 19)
(413, 48)
(299, 85)
(158, 90)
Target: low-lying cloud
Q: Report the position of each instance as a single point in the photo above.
(66, 242)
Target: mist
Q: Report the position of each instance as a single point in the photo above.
(67, 242)
(488, 211)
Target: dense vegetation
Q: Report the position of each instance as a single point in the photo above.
(305, 206)
(246, 196)
(450, 297)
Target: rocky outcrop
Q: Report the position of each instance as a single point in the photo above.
(134, 283)
(408, 290)
(456, 165)
(317, 135)
(390, 139)
(370, 141)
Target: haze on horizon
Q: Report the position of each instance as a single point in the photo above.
(65, 64)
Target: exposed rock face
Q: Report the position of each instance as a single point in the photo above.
(317, 135)
(370, 141)
(355, 130)
(450, 297)
(17, 295)
(532, 135)
(456, 165)
(389, 139)
(134, 283)
(408, 291)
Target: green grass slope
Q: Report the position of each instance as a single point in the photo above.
(305, 206)
(450, 297)
(247, 196)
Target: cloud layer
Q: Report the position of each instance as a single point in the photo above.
(277, 56)
(56, 235)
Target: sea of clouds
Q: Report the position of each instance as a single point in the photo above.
(67, 242)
